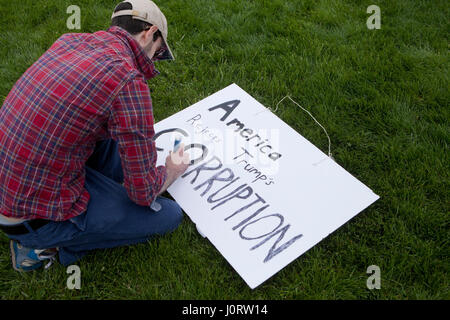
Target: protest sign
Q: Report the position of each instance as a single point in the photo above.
(259, 191)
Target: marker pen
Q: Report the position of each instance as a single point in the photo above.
(176, 143)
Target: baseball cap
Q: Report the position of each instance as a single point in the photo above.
(148, 11)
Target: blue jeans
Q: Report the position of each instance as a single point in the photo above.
(111, 218)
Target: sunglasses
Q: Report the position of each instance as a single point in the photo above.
(159, 54)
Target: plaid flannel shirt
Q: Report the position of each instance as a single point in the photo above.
(83, 89)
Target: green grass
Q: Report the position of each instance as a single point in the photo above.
(383, 96)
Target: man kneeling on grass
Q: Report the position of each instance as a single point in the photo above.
(77, 159)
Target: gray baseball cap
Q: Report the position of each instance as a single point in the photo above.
(148, 11)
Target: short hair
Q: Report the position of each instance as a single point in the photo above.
(133, 26)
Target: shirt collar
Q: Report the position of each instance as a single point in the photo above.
(143, 62)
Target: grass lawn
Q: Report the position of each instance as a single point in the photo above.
(382, 95)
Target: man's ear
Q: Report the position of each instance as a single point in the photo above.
(148, 34)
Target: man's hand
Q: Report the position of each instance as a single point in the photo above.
(177, 162)
(176, 165)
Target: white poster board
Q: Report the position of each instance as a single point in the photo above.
(260, 192)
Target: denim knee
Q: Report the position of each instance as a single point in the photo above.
(174, 214)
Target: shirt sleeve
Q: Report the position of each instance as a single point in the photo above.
(131, 125)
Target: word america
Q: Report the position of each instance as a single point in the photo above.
(245, 133)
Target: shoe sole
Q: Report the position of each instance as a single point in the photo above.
(13, 255)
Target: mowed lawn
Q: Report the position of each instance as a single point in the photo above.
(382, 95)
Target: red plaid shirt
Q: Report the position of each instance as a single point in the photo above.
(85, 88)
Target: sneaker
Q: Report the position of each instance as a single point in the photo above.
(27, 259)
